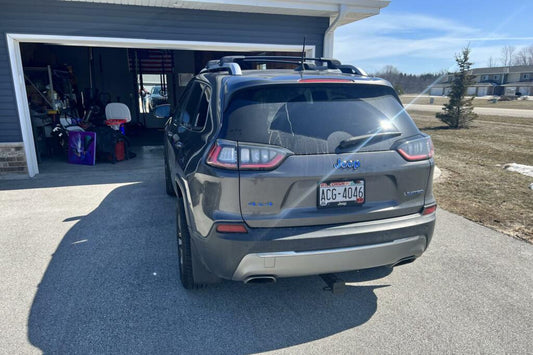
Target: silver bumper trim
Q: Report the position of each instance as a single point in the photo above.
(291, 263)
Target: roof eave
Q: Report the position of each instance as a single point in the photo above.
(355, 9)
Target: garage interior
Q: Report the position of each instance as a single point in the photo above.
(69, 87)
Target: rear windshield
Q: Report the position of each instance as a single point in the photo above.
(316, 118)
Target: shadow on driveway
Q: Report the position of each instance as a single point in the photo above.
(113, 286)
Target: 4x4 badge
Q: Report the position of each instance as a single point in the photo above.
(347, 164)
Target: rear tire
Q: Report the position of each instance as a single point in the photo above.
(184, 249)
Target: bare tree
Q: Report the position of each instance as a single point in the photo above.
(392, 74)
(388, 72)
(507, 55)
(524, 56)
(491, 62)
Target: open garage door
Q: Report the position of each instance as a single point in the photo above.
(64, 78)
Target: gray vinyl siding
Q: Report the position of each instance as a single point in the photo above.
(9, 121)
(53, 17)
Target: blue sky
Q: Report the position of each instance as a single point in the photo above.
(419, 36)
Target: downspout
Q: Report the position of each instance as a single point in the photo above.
(329, 35)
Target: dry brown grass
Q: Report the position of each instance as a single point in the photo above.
(474, 183)
(478, 102)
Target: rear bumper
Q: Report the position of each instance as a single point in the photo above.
(291, 263)
(287, 252)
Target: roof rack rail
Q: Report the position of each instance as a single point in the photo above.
(217, 65)
(231, 64)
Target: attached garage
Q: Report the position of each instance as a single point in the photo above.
(482, 91)
(120, 47)
(436, 91)
(523, 88)
(471, 91)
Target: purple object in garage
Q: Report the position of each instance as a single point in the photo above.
(82, 148)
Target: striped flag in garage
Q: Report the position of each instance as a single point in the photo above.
(150, 61)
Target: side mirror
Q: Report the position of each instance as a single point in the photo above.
(162, 111)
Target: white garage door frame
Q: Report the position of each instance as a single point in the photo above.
(15, 57)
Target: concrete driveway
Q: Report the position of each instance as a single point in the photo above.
(88, 265)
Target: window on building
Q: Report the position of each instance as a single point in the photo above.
(526, 76)
(484, 77)
(496, 77)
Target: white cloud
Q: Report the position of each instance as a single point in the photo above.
(407, 23)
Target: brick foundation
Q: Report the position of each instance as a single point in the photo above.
(12, 159)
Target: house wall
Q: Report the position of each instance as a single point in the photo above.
(513, 77)
(484, 78)
(54, 17)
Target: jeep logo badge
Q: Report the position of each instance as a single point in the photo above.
(347, 164)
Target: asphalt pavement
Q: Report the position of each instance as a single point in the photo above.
(88, 265)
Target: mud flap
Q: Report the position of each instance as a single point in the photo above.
(200, 273)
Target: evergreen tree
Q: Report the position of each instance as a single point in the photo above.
(459, 112)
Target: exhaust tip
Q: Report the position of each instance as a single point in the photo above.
(262, 279)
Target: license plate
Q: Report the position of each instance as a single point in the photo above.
(341, 193)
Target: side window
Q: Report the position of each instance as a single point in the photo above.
(203, 109)
(180, 105)
(190, 108)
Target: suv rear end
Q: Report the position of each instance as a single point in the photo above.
(307, 174)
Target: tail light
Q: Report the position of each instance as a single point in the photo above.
(223, 154)
(429, 209)
(416, 149)
(232, 155)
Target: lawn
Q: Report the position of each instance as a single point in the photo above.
(473, 182)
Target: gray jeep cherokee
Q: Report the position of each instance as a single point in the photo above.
(293, 172)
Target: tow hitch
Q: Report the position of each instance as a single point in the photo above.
(334, 284)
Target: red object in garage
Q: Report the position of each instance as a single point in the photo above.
(120, 151)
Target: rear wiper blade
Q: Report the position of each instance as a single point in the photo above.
(350, 142)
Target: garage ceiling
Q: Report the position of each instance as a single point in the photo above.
(354, 10)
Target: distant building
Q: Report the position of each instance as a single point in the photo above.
(509, 81)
